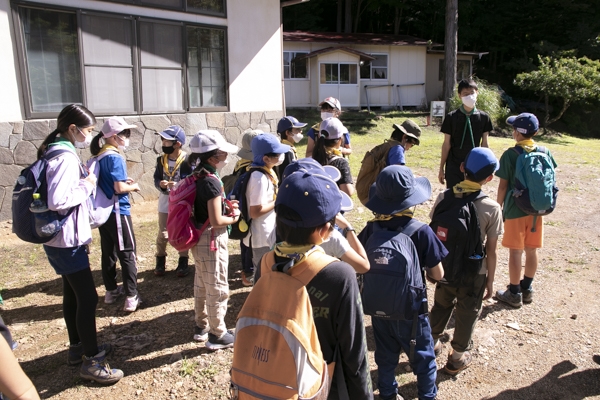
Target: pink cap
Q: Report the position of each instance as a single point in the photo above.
(114, 126)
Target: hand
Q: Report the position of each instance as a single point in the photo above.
(441, 176)
(163, 184)
(341, 221)
(170, 184)
(489, 290)
(135, 187)
(235, 204)
(91, 178)
(129, 181)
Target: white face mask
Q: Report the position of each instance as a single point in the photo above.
(221, 164)
(125, 145)
(297, 137)
(325, 115)
(469, 101)
(85, 143)
(280, 160)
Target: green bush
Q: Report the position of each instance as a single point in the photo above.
(488, 100)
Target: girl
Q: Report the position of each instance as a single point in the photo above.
(116, 235)
(327, 152)
(330, 107)
(69, 186)
(211, 289)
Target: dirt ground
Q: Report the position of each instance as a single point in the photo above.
(542, 351)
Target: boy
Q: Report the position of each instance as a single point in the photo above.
(290, 130)
(478, 169)
(408, 135)
(306, 208)
(171, 167)
(463, 129)
(260, 196)
(394, 193)
(518, 225)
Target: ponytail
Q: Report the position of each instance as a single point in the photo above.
(49, 139)
(320, 150)
(95, 144)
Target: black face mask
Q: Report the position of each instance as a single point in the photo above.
(168, 150)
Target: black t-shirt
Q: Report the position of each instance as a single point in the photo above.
(207, 188)
(344, 167)
(454, 125)
(289, 158)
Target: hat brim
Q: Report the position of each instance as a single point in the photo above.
(332, 172)
(228, 147)
(281, 148)
(347, 203)
(245, 154)
(420, 194)
(299, 125)
(164, 136)
(511, 120)
(414, 137)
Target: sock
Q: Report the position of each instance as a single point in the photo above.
(435, 342)
(514, 289)
(456, 355)
(526, 283)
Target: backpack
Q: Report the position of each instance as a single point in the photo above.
(277, 354)
(181, 225)
(36, 227)
(393, 288)
(456, 224)
(373, 162)
(100, 205)
(241, 228)
(535, 190)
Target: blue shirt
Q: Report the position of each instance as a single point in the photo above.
(395, 156)
(113, 169)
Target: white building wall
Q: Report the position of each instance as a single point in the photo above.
(10, 100)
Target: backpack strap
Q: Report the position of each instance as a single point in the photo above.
(304, 272)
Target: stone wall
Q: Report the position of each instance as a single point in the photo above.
(20, 140)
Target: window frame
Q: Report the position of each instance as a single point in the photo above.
(136, 61)
(371, 67)
(290, 65)
(183, 8)
(340, 63)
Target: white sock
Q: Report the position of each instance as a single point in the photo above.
(456, 355)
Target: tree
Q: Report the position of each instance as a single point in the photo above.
(567, 79)
(450, 48)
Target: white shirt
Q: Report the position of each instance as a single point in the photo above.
(260, 190)
(337, 245)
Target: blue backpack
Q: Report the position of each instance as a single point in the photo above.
(241, 228)
(535, 190)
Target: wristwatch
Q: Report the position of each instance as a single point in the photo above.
(348, 229)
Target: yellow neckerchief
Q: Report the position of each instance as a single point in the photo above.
(466, 187)
(107, 147)
(299, 253)
(383, 217)
(242, 163)
(331, 152)
(292, 147)
(527, 144)
(178, 162)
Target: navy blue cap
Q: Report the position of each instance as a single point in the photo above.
(266, 143)
(174, 132)
(481, 163)
(396, 189)
(525, 123)
(289, 122)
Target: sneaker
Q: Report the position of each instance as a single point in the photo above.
(201, 334)
(437, 349)
(131, 303)
(112, 295)
(247, 280)
(97, 369)
(513, 300)
(454, 367)
(75, 355)
(527, 295)
(182, 267)
(161, 261)
(224, 342)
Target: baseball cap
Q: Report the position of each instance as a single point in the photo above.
(333, 102)
(525, 123)
(174, 132)
(208, 140)
(267, 143)
(334, 128)
(289, 122)
(481, 163)
(397, 189)
(246, 150)
(115, 125)
(314, 197)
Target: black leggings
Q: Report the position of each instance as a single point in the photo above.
(79, 310)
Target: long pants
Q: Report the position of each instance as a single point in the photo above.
(162, 239)
(466, 303)
(111, 239)
(452, 174)
(211, 289)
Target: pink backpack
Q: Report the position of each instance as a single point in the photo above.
(181, 226)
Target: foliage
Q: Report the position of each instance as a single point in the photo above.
(488, 100)
(569, 79)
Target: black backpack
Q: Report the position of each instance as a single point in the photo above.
(456, 224)
(241, 227)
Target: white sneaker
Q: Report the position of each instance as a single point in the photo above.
(112, 295)
(131, 303)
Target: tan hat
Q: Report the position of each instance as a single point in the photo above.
(246, 150)
(409, 128)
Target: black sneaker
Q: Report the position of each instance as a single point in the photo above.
(161, 261)
(508, 297)
(527, 295)
(224, 342)
(182, 267)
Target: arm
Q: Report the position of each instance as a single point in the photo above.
(502, 189)
(484, 139)
(126, 187)
(66, 188)
(356, 255)
(310, 145)
(215, 213)
(13, 381)
(491, 262)
(347, 188)
(261, 209)
(444, 157)
(436, 273)
(158, 175)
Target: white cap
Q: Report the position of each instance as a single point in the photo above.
(208, 140)
(334, 128)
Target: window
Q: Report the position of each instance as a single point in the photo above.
(463, 69)
(214, 7)
(293, 66)
(343, 74)
(376, 69)
(116, 64)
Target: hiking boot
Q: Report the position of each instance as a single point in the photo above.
(112, 295)
(437, 349)
(247, 280)
(182, 267)
(161, 261)
(527, 295)
(508, 297)
(75, 355)
(131, 303)
(224, 342)
(97, 369)
(201, 334)
(454, 367)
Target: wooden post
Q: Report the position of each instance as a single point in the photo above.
(450, 48)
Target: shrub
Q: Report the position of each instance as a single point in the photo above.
(489, 99)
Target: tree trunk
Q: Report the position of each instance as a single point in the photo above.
(338, 21)
(348, 19)
(450, 48)
(358, 13)
(397, 16)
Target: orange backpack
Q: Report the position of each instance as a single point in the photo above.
(277, 354)
(372, 164)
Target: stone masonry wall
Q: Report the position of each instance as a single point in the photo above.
(20, 140)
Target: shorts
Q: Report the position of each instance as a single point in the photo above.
(68, 260)
(518, 235)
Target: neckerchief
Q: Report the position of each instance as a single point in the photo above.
(242, 163)
(298, 253)
(383, 217)
(467, 124)
(63, 141)
(527, 144)
(292, 147)
(178, 162)
(466, 187)
(331, 152)
(107, 147)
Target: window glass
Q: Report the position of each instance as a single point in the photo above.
(463, 70)
(52, 58)
(339, 74)
(206, 67)
(109, 89)
(160, 45)
(164, 3)
(161, 90)
(329, 73)
(217, 6)
(295, 67)
(375, 69)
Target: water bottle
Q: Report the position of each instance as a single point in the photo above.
(46, 221)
